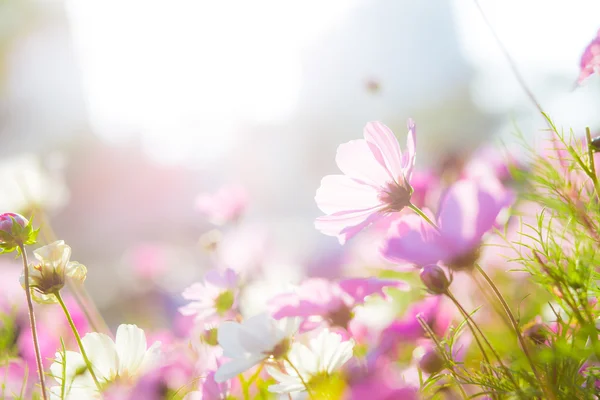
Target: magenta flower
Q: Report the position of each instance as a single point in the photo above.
(214, 299)
(319, 301)
(468, 210)
(590, 59)
(376, 182)
(224, 206)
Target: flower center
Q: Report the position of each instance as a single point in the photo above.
(281, 349)
(341, 316)
(396, 196)
(465, 261)
(224, 301)
(210, 337)
(326, 386)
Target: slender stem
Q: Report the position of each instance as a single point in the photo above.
(423, 215)
(34, 336)
(255, 375)
(78, 339)
(245, 387)
(491, 301)
(593, 174)
(470, 324)
(310, 394)
(549, 394)
(442, 351)
(487, 342)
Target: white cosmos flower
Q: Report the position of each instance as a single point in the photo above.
(123, 360)
(317, 363)
(48, 274)
(253, 341)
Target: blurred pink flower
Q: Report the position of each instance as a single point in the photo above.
(213, 299)
(376, 182)
(318, 300)
(148, 260)
(590, 59)
(225, 205)
(380, 381)
(434, 311)
(467, 211)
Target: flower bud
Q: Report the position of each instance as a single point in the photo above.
(434, 278)
(15, 230)
(431, 362)
(537, 333)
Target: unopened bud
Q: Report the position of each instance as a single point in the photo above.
(537, 333)
(15, 230)
(434, 278)
(431, 362)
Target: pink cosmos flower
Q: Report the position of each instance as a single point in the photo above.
(590, 59)
(435, 311)
(318, 300)
(224, 206)
(214, 299)
(376, 182)
(467, 211)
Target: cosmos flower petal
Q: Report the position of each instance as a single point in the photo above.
(355, 159)
(229, 338)
(102, 352)
(590, 59)
(347, 224)
(387, 150)
(236, 366)
(339, 193)
(413, 240)
(409, 156)
(131, 347)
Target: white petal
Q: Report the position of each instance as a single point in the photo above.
(103, 355)
(152, 358)
(228, 337)
(131, 347)
(236, 366)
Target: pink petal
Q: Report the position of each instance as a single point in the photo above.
(590, 59)
(409, 156)
(458, 212)
(470, 209)
(360, 288)
(387, 148)
(346, 225)
(339, 193)
(414, 240)
(356, 160)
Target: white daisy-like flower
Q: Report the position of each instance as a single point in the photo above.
(313, 365)
(123, 360)
(252, 341)
(48, 274)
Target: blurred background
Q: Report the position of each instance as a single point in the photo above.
(117, 115)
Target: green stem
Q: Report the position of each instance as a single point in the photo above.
(472, 325)
(423, 215)
(593, 175)
(245, 387)
(34, 336)
(310, 394)
(442, 351)
(78, 339)
(549, 394)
